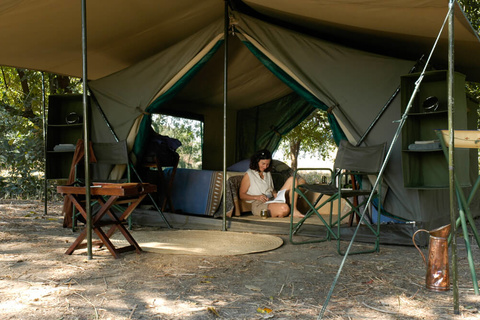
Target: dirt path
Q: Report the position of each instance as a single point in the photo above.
(38, 281)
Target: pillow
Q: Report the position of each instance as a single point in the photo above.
(281, 167)
(277, 166)
(241, 166)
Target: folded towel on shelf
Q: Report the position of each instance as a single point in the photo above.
(425, 145)
(64, 147)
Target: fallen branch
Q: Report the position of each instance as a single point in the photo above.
(133, 311)
(281, 289)
(414, 283)
(95, 308)
(379, 310)
(274, 262)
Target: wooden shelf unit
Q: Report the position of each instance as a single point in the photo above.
(427, 169)
(58, 163)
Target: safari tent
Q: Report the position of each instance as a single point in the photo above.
(284, 59)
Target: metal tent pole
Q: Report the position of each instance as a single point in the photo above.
(225, 77)
(86, 133)
(379, 177)
(451, 160)
(382, 169)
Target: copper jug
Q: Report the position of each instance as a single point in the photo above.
(438, 278)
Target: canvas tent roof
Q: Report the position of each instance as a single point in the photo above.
(395, 28)
(46, 35)
(139, 53)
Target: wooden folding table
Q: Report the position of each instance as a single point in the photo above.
(107, 195)
(469, 139)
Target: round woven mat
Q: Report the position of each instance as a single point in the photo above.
(201, 242)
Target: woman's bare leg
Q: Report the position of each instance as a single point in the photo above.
(279, 210)
(288, 186)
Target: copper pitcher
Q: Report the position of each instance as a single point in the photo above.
(438, 278)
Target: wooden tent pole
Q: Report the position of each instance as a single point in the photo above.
(451, 160)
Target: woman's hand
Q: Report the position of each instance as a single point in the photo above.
(262, 198)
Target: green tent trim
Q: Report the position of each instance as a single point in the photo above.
(337, 132)
(263, 126)
(144, 129)
(273, 137)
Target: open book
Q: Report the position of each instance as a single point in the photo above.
(280, 197)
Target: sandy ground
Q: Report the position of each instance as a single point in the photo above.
(38, 281)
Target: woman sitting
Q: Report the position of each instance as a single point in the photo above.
(257, 188)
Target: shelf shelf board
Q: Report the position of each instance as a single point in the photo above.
(66, 125)
(427, 113)
(428, 150)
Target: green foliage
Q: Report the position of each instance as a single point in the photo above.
(21, 121)
(22, 155)
(472, 11)
(317, 176)
(190, 134)
(473, 90)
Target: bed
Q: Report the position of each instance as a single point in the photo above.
(200, 192)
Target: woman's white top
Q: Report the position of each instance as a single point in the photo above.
(258, 185)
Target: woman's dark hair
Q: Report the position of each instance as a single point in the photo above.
(260, 155)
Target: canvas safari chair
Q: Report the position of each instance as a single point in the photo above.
(354, 169)
(68, 208)
(108, 156)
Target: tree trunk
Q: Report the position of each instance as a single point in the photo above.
(59, 84)
(294, 151)
(27, 111)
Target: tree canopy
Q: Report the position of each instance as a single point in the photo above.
(313, 136)
(21, 121)
(189, 132)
